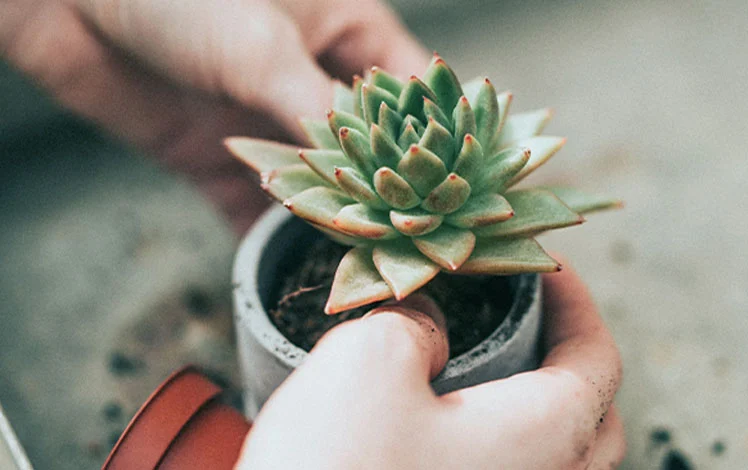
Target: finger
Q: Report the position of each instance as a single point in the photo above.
(350, 38)
(577, 339)
(560, 404)
(400, 345)
(59, 52)
(250, 51)
(610, 447)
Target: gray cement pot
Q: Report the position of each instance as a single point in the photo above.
(267, 357)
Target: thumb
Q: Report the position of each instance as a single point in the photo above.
(401, 344)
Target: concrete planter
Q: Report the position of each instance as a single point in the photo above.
(267, 357)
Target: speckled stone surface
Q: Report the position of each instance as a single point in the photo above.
(97, 246)
(113, 274)
(651, 96)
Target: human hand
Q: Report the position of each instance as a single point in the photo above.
(362, 399)
(175, 77)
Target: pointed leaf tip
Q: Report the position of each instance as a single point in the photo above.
(448, 247)
(582, 201)
(362, 221)
(403, 267)
(508, 256)
(537, 210)
(422, 169)
(357, 282)
(415, 222)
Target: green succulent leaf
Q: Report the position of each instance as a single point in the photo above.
(422, 169)
(342, 238)
(502, 168)
(357, 282)
(415, 175)
(447, 246)
(505, 100)
(354, 183)
(262, 155)
(469, 163)
(415, 222)
(343, 98)
(373, 97)
(433, 111)
(413, 121)
(582, 201)
(403, 267)
(524, 125)
(287, 181)
(542, 147)
(449, 196)
(358, 150)
(408, 137)
(535, 210)
(438, 140)
(319, 135)
(464, 119)
(323, 162)
(318, 205)
(386, 151)
(508, 256)
(411, 98)
(482, 210)
(358, 106)
(386, 81)
(444, 83)
(394, 190)
(486, 108)
(340, 119)
(362, 221)
(471, 88)
(390, 121)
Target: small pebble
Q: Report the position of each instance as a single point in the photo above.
(113, 438)
(198, 303)
(120, 364)
(718, 448)
(659, 436)
(674, 460)
(112, 411)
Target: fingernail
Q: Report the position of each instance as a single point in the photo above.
(414, 304)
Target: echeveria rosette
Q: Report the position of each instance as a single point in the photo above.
(415, 177)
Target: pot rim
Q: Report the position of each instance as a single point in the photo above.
(246, 271)
(151, 446)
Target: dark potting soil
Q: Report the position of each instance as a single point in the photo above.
(473, 305)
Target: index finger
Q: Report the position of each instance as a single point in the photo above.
(576, 338)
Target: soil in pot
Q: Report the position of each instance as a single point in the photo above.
(473, 305)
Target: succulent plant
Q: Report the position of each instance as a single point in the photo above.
(415, 177)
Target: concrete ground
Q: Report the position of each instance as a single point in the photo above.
(113, 272)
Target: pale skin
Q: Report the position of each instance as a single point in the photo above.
(176, 77)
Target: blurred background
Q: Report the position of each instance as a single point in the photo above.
(114, 272)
